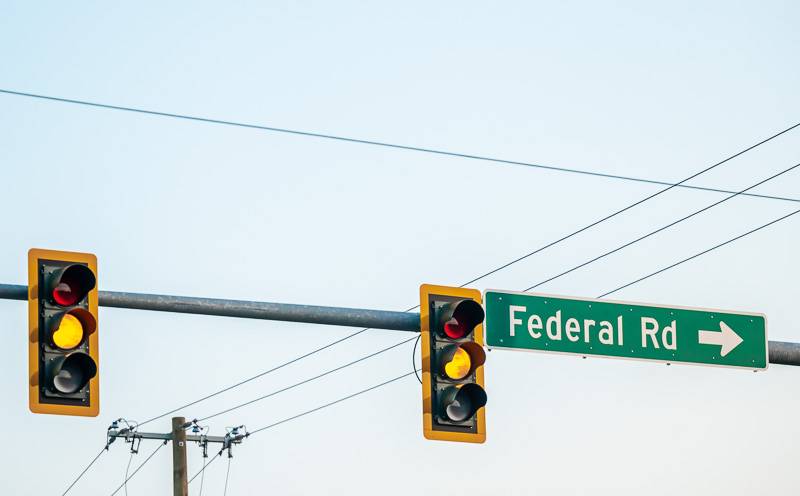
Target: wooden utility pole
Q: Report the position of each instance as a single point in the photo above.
(180, 480)
(179, 438)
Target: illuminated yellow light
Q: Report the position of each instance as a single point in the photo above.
(458, 366)
(69, 333)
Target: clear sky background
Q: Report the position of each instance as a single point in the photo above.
(658, 91)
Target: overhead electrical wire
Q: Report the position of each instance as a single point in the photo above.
(660, 229)
(202, 478)
(307, 412)
(305, 381)
(493, 271)
(105, 448)
(358, 393)
(160, 445)
(384, 144)
(209, 462)
(438, 152)
(632, 205)
(409, 148)
(326, 405)
(227, 475)
(261, 374)
(696, 255)
(125, 479)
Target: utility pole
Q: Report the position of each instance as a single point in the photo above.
(179, 438)
(180, 480)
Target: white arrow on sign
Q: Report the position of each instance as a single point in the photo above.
(728, 338)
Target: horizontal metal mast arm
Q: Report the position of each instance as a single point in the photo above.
(783, 353)
(311, 314)
(13, 292)
(780, 352)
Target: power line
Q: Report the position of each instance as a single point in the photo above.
(105, 448)
(140, 467)
(310, 134)
(227, 474)
(779, 219)
(632, 205)
(600, 296)
(288, 419)
(307, 412)
(130, 459)
(261, 374)
(371, 388)
(202, 478)
(660, 229)
(775, 221)
(273, 393)
(204, 466)
(482, 276)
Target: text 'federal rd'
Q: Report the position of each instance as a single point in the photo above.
(591, 327)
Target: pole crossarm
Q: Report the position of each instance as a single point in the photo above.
(780, 352)
(167, 436)
(311, 314)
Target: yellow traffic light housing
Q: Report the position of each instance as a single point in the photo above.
(62, 324)
(453, 395)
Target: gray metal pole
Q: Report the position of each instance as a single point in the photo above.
(783, 353)
(311, 314)
(780, 352)
(180, 479)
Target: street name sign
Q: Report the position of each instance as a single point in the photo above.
(616, 329)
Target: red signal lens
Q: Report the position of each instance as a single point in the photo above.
(65, 295)
(458, 318)
(454, 329)
(72, 285)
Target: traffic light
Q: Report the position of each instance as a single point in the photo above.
(62, 322)
(451, 322)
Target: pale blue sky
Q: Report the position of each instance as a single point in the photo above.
(658, 90)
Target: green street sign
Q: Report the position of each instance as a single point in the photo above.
(615, 329)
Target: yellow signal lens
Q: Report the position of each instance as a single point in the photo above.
(459, 366)
(69, 333)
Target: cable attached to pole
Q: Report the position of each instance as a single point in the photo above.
(139, 467)
(696, 255)
(433, 151)
(326, 405)
(105, 448)
(663, 228)
(227, 474)
(261, 374)
(475, 279)
(331, 371)
(205, 465)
